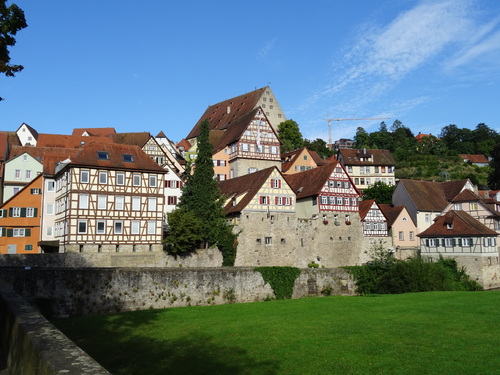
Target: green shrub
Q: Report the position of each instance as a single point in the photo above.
(411, 275)
(281, 279)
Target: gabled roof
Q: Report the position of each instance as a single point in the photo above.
(466, 196)
(54, 156)
(353, 156)
(161, 135)
(289, 158)
(67, 141)
(430, 195)
(41, 153)
(87, 157)
(457, 223)
(137, 139)
(248, 184)
(475, 158)
(391, 212)
(33, 132)
(419, 136)
(221, 115)
(310, 182)
(184, 144)
(365, 207)
(94, 132)
(19, 195)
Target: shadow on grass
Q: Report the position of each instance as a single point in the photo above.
(121, 344)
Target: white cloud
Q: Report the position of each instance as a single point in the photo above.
(266, 50)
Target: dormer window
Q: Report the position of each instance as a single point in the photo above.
(127, 158)
(102, 155)
(449, 226)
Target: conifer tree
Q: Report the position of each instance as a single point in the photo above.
(201, 193)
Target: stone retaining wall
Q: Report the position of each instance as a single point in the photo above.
(33, 346)
(60, 292)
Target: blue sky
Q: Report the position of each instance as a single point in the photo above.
(156, 65)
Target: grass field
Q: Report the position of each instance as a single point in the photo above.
(421, 333)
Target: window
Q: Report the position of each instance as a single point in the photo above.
(136, 180)
(82, 226)
(49, 208)
(151, 227)
(127, 158)
(489, 241)
(473, 206)
(119, 202)
(356, 181)
(349, 169)
(172, 200)
(30, 212)
(25, 157)
(135, 226)
(274, 149)
(244, 147)
(466, 242)
(367, 170)
(136, 203)
(16, 212)
(390, 169)
(368, 226)
(339, 201)
(118, 227)
(361, 170)
(252, 170)
(103, 177)
(28, 247)
(268, 240)
(449, 242)
(457, 206)
(17, 174)
(51, 185)
(49, 231)
(102, 155)
(151, 204)
(36, 191)
(18, 232)
(432, 242)
(84, 177)
(331, 200)
(324, 199)
(376, 169)
(28, 174)
(83, 201)
(152, 180)
(120, 179)
(305, 157)
(427, 218)
(412, 236)
(275, 183)
(101, 227)
(264, 199)
(101, 202)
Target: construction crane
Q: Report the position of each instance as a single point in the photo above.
(347, 119)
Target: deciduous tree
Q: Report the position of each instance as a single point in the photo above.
(11, 21)
(290, 136)
(379, 191)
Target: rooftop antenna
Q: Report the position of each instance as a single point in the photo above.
(329, 120)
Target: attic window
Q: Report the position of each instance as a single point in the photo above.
(102, 155)
(449, 226)
(127, 158)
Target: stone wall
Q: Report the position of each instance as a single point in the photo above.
(284, 240)
(75, 292)
(31, 345)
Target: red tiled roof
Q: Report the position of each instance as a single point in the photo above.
(141, 161)
(391, 212)
(475, 158)
(364, 207)
(221, 115)
(4, 145)
(67, 141)
(184, 144)
(352, 156)
(96, 132)
(310, 182)
(419, 136)
(466, 196)
(462, 224)
(249, 184)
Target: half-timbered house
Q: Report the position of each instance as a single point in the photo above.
(109, 197)
(458, 235)
(375, 224)
(300, 160)
(323, 190)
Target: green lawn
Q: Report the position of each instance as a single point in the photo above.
(421, 333)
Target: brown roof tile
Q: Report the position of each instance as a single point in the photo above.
(364, 207)
(67, 141)
(310, 182)
(475, 158)
(137, 139)
(141, 161)
(248, 184)
(391, 212)
(220, 117)
(351, 156)
(462, 224)
(427, 195)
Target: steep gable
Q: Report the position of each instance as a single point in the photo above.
(94, 132)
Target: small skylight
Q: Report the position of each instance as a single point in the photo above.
(128, 158)
(102, 155)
